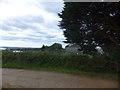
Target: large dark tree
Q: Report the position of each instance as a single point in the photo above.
(91, 24)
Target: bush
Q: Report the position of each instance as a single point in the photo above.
(93, 63)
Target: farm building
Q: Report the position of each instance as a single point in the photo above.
(72, 48)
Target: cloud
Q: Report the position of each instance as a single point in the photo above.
(53, 7)
(29, 23)
(21, 22)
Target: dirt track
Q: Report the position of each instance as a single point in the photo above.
(19, 78)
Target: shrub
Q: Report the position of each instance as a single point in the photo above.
(93, 63)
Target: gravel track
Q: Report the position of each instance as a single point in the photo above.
(20, 78)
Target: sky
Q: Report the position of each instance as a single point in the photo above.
(30, 23)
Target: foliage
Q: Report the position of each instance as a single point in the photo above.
(81, 62)
(91, 24)
(44, 48)
(54, 47)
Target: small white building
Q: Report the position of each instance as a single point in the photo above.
(72, 48)
(17, 51)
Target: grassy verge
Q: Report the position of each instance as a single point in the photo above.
(108, 76)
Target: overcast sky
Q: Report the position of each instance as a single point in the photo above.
(30, 23)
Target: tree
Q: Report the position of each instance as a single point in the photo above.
(56, 46)
(91, 24)
(43, 48)
(53, 47)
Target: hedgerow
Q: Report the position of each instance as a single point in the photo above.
(92, 63)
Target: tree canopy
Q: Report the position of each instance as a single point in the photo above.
(91, 24)
(56, 46)
(53, 47)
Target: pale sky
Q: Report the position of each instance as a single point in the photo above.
(30, 23)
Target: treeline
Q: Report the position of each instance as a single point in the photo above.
(53, 47)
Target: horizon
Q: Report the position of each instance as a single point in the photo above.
(30, 46)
